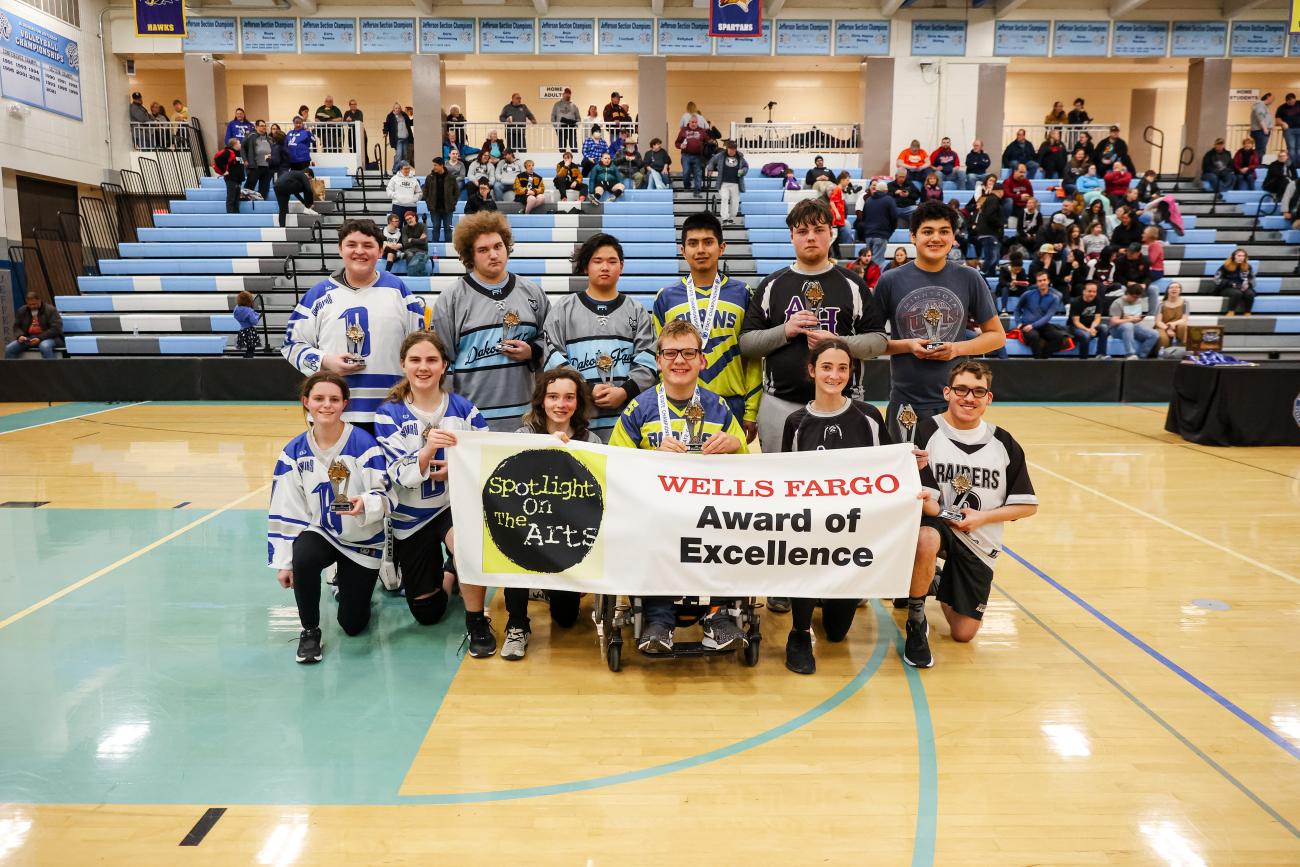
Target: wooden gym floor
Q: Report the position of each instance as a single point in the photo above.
(1133, 698)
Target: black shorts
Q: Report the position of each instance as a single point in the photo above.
(966, 581)
(419, 556)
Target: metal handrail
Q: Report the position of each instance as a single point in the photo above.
(291, 273)
(318, 235)
(266, 330)
(1186, 157)
(1259, 208)
(1147, 136)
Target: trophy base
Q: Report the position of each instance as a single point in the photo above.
(355, 359)
(950, 514)
(341, 507)
(502, 347)
(934, 344)
(694, 448)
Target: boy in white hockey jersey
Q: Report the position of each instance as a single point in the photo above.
(334, 461)
(375, 307)
(606, 336)
(491, 321)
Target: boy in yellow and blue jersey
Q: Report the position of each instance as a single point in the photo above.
(738, 381)
(657, 419)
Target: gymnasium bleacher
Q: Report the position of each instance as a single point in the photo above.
(172, 290)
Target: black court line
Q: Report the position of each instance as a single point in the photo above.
(181, 505)
(24, 504)
(203, 826)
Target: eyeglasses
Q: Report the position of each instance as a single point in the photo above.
(674, 354)
(978, 392)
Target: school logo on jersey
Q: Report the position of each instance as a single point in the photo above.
(912, 310)
(542, 509)
(832, 436)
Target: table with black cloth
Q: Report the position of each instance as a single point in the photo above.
(1237, 405)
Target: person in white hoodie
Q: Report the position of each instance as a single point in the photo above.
(503, 185)
(405, 191)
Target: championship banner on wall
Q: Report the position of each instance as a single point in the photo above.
(737, 18)
(530, 512)
(159, 17)
(1295, 16)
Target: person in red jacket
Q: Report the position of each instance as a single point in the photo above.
(691, 140)
(1244, 163)
(839, 214)
(230, 166)
(1017, 191)
(1117, 181)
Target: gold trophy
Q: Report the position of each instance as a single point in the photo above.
(933, 324)
(509, 322)
(338, 475)
(356, 336)
(814, 295)
(961, 487)
(694, 416)
(907, 420)
(605, 367)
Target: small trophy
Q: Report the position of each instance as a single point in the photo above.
(605, 367)
(961, 486)
(338, 474)
(509, 322)
(933, 322)
(814, 295)
(694, 416)
(424, 434)
(907, 421)
(356, 336)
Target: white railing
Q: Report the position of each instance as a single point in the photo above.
(829, 137)
(1036, 133)
(537, 137)
(161, 136)
(1239, 132)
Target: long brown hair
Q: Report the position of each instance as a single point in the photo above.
(402, 390)
(1230, 263)
(535, 418)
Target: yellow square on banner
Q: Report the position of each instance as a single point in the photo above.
(1295, 16)
(542, 511)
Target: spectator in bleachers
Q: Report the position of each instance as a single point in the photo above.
(618, 119)
(180, 114)
(493, 146)
(257, 148)
(328, 112)
(1279, 174)
(962, 232)
(1171, 323)
(1034, 317)
(989, 224)
(1053, 155)
(658, 164)
(605, 180)
(404, 189)
(568, 178)
(1117, 182)
(230, 167)
(693, 111)
(729, 166)
(1057, 230)
(1087, 322)
(905, 194)
(247, 318)
(1095, 239)
(480, 197)
(158, 114)
(1057, 116)
(690, 141)
(817, 173)
(1132, 268)
(877, 220)
(1102, 269)
(1076, 168)
(400, 134)
(1089, 147)
(1048, 262)
(1095, 213)
(977, 164)
(790, 181)
(516, 116)
(1078, 116)
(1244, 163)
(1154, 249)
(294, 184)
(392, 247)
(304, 113)
(441, 192)
(503, 182)
(1021, 152)
(456, 125)
(1262, 122)
(915, 161)
(932, 188)
(1126, 315)
(565, 118)
(986, 185)
(865, 267)
(1128, 230)
(945, 160)
(37, 325)
(616, 141)
(1288, 117)
(355, 115)
(1075, 268)
(415, 245)
(1148, 187)
(1031, 224)
(1013, 280)
(482, 169)
(1017, 190)
(593, 148)
(449, 144)
(1090, 182)
(839, 214)
(1112, 151)
(1235, 280)
(457, 168)
(238, 127)
(898, 260)
(298, 143)
(631, 165)
(140, 114)
(592, 119)
(529, 188)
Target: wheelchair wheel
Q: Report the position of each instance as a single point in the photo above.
(750, 654)
(614, 655)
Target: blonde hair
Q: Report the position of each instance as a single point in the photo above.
(691, 108)
(679, 328)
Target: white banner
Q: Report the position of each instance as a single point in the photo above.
(530, 512)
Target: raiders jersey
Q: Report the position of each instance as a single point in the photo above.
(982, 468)
(857, 425)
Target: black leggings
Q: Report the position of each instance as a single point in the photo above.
(311, 554)
(564, 606)
(837, 616)
(420, 558)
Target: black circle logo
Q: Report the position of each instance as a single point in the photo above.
(543, 509)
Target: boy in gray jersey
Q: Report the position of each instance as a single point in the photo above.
(491, 321)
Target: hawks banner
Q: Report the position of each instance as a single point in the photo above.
(159, 18)
(530, 512)
(736, 18)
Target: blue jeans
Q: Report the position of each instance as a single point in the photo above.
(659, 609)
(417, 265)
(1031, 169)
(655, 180)
(1082, 339)
(877, 246)
(15, 349)
(990, 251)
(402, 151)
(441, 223)
(692, 172)
(1213, 183)
(1261, 137)
(1137, 340)
(1292, 137)
(1245, 181)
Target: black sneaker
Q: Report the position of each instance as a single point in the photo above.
(309, 646)
(778, 604)
(900, 603)
(721, 632)
(482, 643)
(799, 652)
(655, 638)
(916, 649)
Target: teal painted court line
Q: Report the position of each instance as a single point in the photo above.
(31, 418)
(927, 794)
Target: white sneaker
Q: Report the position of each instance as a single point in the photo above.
(1130, 357)
(310, 211)
(516, 643)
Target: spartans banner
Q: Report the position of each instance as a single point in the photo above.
(531, 512)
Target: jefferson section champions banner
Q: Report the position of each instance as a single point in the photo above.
(530, 512)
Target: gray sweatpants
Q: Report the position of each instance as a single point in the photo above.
(772, 413)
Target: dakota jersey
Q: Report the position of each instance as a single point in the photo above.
(469, 318)
(639, 427)
(418, 498)
(580, 330)
(725, 374)
(857, 425)
(386, 312)
(301, 494)
(982, 468)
